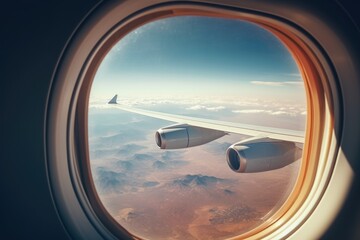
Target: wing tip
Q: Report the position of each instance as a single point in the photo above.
(113, 100)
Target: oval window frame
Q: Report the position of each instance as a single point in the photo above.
(71, 180)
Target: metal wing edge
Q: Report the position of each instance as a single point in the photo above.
(230, 127)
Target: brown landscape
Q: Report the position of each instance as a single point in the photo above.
(202, 199)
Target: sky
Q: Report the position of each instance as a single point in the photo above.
(199, 57)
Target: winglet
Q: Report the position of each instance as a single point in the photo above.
(113, 100)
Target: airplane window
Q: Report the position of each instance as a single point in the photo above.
(196, 127)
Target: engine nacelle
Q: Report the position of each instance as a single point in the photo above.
(261, 154)
(183, 135)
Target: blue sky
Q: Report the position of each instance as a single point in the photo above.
(199, 57)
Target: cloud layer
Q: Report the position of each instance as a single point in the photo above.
(202, 107)
(278, 84)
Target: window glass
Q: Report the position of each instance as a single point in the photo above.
(203, 67)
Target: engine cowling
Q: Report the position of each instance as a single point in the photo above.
(261, 154)
(183, 135)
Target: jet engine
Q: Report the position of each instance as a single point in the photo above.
(261, 154)
(183, 135)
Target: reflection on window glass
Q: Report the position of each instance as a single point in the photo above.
(209, 68)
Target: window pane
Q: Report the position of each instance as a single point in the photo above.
(209, 68)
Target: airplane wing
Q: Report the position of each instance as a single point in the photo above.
(229, 127)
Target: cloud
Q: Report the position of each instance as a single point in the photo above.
(196, 107)
(277, 84)
(281, 111)
(250, 111)
(289, 113)
(215, 109)
(202, 107)
(298, 83)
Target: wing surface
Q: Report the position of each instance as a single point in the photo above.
(230, 127)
